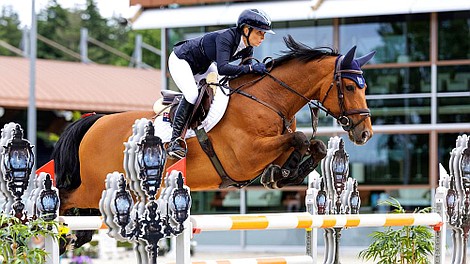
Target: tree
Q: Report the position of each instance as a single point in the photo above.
(118, 35)
(61, 26)
(9, 30)
(151, 37)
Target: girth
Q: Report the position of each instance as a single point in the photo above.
(206, 145)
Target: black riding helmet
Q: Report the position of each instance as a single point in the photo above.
(254, 18)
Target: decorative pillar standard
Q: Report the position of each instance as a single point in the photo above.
(457, 198)
(340, 172)
(18, 161)
(154, 223)
(334, 193)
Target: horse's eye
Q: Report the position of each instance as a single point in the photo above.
(350, 87)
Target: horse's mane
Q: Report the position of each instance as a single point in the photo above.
(302, 52)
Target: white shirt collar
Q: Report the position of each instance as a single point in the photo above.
(241, 46)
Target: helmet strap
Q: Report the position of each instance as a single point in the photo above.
(247, 36)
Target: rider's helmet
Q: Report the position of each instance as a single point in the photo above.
(256, 19)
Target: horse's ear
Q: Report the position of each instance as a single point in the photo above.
(349, 57)
(366, 58)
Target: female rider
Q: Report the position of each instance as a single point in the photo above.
(192, 59)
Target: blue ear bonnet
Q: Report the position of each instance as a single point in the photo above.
(351, 68)
(357, 78)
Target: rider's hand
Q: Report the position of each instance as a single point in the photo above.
(259, 68)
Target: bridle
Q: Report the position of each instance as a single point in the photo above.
(343, 118)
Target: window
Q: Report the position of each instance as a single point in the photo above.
(453, 78)
(398, 80)
(454, 35)
(415, 110)
(398, 39)
(312, 33)
(453, 109)
(390, 159)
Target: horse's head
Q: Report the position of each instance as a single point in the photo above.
(345, 99)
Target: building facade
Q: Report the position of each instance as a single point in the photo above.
(418, 85)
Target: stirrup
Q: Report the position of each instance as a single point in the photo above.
(179, 152)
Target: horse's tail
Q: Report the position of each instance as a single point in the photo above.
(65, 153)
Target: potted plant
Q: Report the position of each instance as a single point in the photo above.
(406, 245)
(16, 237)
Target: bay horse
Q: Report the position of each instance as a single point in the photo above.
(256, 135)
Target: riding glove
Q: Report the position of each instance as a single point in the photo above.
(259, 68)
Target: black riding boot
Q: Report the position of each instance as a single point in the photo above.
(182, 114)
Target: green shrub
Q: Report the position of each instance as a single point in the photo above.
(15, 239)
(407, 245)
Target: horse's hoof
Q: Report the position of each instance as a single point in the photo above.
(67, 243)
(317, 149)
(270, 176)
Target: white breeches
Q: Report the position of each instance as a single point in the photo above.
(183, 76)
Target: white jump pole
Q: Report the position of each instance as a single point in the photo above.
(82, 222)
(305, 220)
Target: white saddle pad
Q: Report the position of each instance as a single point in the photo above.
(163, 127)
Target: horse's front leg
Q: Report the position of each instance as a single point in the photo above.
(303, 160)
(274, 173)
(316, 152)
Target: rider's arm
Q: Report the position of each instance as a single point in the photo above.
(224, 47)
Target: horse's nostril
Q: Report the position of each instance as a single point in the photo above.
(365, 135)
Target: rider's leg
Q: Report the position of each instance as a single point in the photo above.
(183, 77)
(212, 68)
(181, 118)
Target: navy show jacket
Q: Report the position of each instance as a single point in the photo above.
(218, 46)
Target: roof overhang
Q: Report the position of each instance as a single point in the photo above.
(227, 14)
(64, 85)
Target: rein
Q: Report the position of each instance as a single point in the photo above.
(285, 121)
(343, 119)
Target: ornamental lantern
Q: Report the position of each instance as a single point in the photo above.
(18, 160)
(151, 159)
(321, 199)
(451, 198)
(122, 203)
(181, 201)
(354, 199)
(340, 167)
(465, 164)
(48, 200)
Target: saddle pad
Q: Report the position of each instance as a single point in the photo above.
(163, 127)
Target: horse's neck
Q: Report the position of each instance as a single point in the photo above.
(310, 80)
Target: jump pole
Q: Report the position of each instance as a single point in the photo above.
(305, 220)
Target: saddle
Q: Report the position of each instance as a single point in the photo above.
(170, 99)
